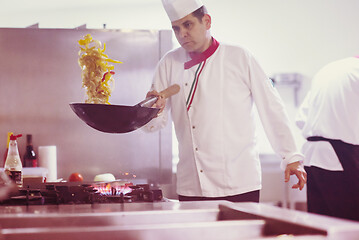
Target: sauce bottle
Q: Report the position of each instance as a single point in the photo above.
(7, 146)
(30, 158)
(13, 165)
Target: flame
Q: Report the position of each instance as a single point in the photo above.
(114, 190)
(127, 175)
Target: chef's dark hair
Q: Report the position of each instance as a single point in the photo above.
(200, 12)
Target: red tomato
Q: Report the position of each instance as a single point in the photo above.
(76, 177)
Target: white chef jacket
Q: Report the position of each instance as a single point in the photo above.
(216, 136)
(331, 110)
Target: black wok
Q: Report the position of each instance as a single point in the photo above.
(119, 118)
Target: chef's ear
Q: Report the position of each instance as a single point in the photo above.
(207, 21)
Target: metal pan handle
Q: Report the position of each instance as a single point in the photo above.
(168, 92)
(148, 102)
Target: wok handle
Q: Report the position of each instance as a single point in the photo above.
(168, 92)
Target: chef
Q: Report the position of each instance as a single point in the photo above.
(329, 119)
(213, 113)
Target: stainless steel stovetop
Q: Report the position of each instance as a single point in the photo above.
(168, 220)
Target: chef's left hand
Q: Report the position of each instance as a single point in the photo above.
(297, 169)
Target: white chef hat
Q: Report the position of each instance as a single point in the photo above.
(177, 9)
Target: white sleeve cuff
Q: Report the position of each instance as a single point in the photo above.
(296, 157)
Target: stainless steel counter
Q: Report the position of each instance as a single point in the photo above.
(169, 220)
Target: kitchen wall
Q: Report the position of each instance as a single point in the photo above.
(286, 36)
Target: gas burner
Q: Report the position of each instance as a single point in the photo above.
(70, 193)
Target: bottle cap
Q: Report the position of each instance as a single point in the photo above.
(13, 137)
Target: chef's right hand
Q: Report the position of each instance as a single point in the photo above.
(160, 103)
(296, 168)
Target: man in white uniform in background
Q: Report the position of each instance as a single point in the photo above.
(213, 112)
(329, 119)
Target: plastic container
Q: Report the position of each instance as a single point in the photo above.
(13, 165)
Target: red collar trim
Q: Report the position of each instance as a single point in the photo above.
(196, 58)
